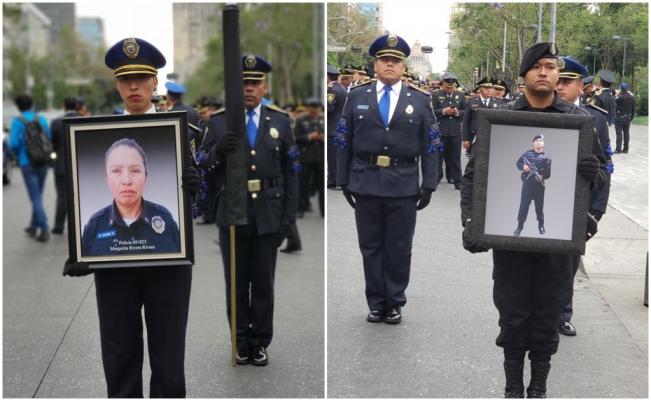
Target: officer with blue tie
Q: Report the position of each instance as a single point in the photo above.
(387, 130)
(272, 165)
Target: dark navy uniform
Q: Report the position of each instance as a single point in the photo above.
(604, 96)
(312, 157)
(163, 291)
(58, 146)
(625, 113)
(532, 189)
(271, 162)
(154, 232)
(379, 165)
(336, 100)
(468, 127)
(450, 126)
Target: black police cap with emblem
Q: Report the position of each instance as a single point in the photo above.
(588, 80)
(534, 53)
(572, 69)
(485, 82)
(332, 70)
(606, 76)
(347, 70)
(501, 84)
(134, 56)
(389, 46)
(450, 79)
(313, 102)
(254, 68)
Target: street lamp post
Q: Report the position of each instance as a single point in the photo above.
(625, 39)
(594, 57)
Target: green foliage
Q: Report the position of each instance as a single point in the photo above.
(350, 33)
(642, 92)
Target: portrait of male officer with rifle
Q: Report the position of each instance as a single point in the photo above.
(536, 166)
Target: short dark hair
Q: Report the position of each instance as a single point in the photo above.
(129, 143)
(70, 103)
(24, 102)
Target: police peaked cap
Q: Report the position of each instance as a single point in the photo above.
(534, 53)
(389, 46)
(174, 87)
(502, 84)
(572, 69)
(332, 70)
(485, 82)
(588, 80)
(606, 76)
(254, 68)
(348, 70)
(450, 79)
(134, 56)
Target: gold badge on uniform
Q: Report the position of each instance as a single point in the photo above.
(250, 61)
(158, 224)
(274, 133)
(131, 48)
(409, 109)
(331, 98)
(392, 40)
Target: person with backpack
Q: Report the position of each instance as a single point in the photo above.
(30, 141)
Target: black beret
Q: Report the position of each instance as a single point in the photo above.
(534, 53)
(539, 136)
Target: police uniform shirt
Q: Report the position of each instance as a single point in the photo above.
(541, 161)
(107, 234)
(450, 125)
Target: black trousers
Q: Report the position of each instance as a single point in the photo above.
(622, 128)
(332, 162)
(568, 310)
(255, 259)
(164, 292)
(531, 190)
(61, 203)
(530, 291)
(452, 157)
(311, 179)
(385, 230)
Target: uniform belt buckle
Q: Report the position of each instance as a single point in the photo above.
(383, 161)
(254, 185)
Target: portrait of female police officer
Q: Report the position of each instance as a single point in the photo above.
(130, 224)
(123, 292)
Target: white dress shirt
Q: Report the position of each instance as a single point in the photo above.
(256, 116)
(393, 95)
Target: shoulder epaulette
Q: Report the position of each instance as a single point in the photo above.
(220, 111)
(411, 85)
(363, 84)
(591, 102)
(276, 109)
(194, 127)
(331, 84)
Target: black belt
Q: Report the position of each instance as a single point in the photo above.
(385, 161)
(256, 185)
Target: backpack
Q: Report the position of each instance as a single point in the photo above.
(39, 147)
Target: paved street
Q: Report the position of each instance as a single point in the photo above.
(51, 330)
(445, 346)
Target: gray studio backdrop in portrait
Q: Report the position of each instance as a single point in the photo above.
(508, 144)
(161, 186)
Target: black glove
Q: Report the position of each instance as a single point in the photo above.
(588, 167)
(76, 268)
(424, 197)
(349, 197)
(284, 232)
(190, 180)
(469, 243)
(227, 143)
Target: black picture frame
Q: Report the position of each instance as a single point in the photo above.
(162, 137)
(494, 221)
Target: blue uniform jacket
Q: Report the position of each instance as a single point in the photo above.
(449, 125)
(336, 100)
(155, 231)
(412, 133)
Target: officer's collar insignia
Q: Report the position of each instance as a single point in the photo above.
(131, 48)
(273, 132)
(409, 109)
(250, 62)
(158, 224)
(392, 41)
(331, 98)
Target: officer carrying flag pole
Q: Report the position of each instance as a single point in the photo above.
(236, 193)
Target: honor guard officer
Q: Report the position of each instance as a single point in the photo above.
(387, 127)
(346, 77)
(606, 100)
(309, 134)
(484, 100)
(500, 91)
(271, 163)
(570, 87)
(588, 89)
(531, 288)
(175, 93)
(336, 100)
(624, 115)
(163, 291)
(520, 92)
(449, 105)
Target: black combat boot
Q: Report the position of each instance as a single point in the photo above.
(538, 386)
(514, 388)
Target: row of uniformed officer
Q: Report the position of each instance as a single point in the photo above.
(387, 129)
(625, 113)
(484, 100)
(336, 98)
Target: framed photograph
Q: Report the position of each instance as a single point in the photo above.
(126, 206)
(527, 194)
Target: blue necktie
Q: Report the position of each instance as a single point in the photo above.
(251, 128)
(384, 105)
